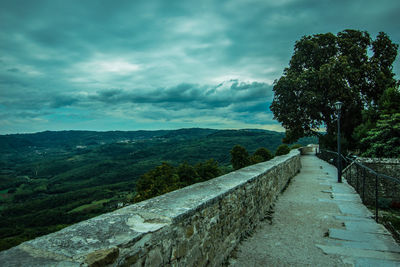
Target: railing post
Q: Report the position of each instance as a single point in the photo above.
(350, 176)
(358, 185)
(376, 197)
(363, 187)
(358, 178)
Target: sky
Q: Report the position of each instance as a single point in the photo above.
(156, 64)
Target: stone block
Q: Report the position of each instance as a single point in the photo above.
(101, 258)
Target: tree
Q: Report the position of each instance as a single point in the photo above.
(282, 150)
(384, 139)
(157, 181)
(326, 68)
(208, 169)
(187, 174)
(389, 103)
(239, 157)
(262, 154)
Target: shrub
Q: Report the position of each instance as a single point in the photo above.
(239, 157)
(282, 150)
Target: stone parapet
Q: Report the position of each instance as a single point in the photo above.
(197, 225)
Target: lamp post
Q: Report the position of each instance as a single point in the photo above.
(338, 106)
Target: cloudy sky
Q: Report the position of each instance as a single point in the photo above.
(158, 64)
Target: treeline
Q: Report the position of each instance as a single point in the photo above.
(166, 178)
(240, 158)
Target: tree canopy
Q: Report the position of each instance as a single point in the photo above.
(381, 138)
(325, 68)
(239, 157)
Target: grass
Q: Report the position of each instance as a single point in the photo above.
(391, 220)
(94, 204)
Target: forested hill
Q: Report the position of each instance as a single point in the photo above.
(70, 139)
(51, 179)
(77, 159)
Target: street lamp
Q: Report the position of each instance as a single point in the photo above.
(338, 106)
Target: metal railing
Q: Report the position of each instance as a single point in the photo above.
(375, 189)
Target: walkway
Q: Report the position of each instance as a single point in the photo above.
(318, 222)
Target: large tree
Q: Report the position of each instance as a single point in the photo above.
(349, 67)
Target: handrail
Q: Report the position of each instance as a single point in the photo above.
(394, 179)
(365, 167)
(350, 161)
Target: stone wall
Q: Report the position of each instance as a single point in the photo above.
(195, 226)
(388, 166)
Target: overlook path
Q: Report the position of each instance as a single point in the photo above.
(318, 222)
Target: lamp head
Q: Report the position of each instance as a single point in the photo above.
(338, 105)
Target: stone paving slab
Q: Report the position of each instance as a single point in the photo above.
(366, 226)
(361, 253)
(362, 245)
(354, 209)
(371, 241)
(362, 262)
(346, 197)
(356, 235)
(353, 219)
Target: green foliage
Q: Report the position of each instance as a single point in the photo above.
(254, 159)
(326, 68)
(166, 178)
(389, 103)
(282, 150)
(361, 131)
(187, 174)
(208, 169)
(263, 153)
(384, 139)
(239, 157)
(296, 146)
(374, 140)
(158, 181)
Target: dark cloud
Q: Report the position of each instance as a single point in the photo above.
(62, 101)
(208, 63)
(13, 70)
(193, 95)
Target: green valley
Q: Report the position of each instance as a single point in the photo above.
(49, 180)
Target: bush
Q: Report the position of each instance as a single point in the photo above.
(282, 150)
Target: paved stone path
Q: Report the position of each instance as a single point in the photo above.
(318, 222)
